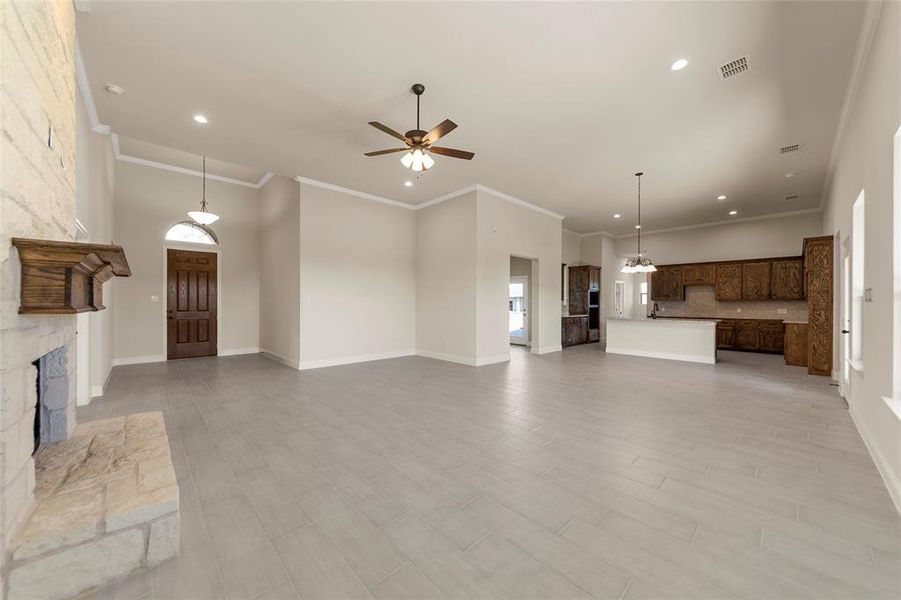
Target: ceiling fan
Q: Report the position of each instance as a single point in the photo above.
(419, 143)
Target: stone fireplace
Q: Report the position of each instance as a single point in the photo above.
(51, 422)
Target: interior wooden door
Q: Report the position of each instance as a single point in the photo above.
(191, 309)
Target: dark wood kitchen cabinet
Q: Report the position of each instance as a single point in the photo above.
(755, 280)
(760, 335)
(699, 274)
(583, 280)
(788, 279)
(771, 337)
(728, 281)
(666, 283)
(725, 334)
(747, 335)
(796, 344)
(574, 331)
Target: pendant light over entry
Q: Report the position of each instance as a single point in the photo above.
(203, 216)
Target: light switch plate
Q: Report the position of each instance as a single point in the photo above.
(154, 298)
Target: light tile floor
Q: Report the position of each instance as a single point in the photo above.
(568, 475)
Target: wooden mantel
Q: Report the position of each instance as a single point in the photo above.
(66, 277)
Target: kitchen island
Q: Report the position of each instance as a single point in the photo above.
(692, 340)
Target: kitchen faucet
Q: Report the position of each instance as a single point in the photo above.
(654, 311)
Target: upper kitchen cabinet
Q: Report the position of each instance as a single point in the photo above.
(666, 283)
(755, 280)
(583, 279)
(728, 281)
(788, 279)
(699, 274)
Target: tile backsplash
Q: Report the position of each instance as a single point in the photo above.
(700, 301)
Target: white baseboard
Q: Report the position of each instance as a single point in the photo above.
(279, 358)
(239, 351)
(547, 349)
(138, 360)
(347, 360)
(97, 390)
(664, 355)
(491, 360)
(454, 358)
(891, 479)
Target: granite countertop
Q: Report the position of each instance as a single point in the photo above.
(567, 316)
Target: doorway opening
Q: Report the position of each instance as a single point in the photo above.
(846, 301)
(192, 304)
(519, 298)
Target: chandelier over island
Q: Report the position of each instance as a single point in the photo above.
(639, 263)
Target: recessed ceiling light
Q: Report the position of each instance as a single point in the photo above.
(790, 174)
(198, 118)
(617, 215)
(733, 212)
(721, 197)
(112, 88)
(679, 64)
(408, 183)
(638, 227)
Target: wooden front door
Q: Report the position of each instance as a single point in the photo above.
(191, 309)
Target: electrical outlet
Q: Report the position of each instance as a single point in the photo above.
(738, 310)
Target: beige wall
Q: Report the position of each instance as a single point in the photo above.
(279, 269)
(779, 236)
(446, 280)
(95, 176)
(357, 278)
(864, 162)
(148, 202)
(572, 248)
(37, 200)
(505, 229)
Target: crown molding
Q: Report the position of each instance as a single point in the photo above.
(485, 189)
(84, 88)
(792, 213)
(166, 167)
(265, 179)
(518, 202)
(861, 54)
(449, 196)
(365, 195)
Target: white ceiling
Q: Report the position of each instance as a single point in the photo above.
(561, 103)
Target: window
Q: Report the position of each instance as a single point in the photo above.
(643, 296)
(193, 233)
(858, 233)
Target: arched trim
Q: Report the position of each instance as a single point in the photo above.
(192, 233)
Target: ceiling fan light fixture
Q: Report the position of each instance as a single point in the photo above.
(407, 160)
(427, 161)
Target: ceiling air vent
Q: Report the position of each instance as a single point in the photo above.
(734, 67)
(791, 148)
(792, 197)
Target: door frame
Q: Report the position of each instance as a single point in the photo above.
(845, 307)
(524, 340)
(168, 245)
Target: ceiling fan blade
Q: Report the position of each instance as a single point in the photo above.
(389, 131)
(452, 153)
(441, 130)
(380, 152)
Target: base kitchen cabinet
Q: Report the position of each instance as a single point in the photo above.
(796, 344)
(758, 335)
(574, 330)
